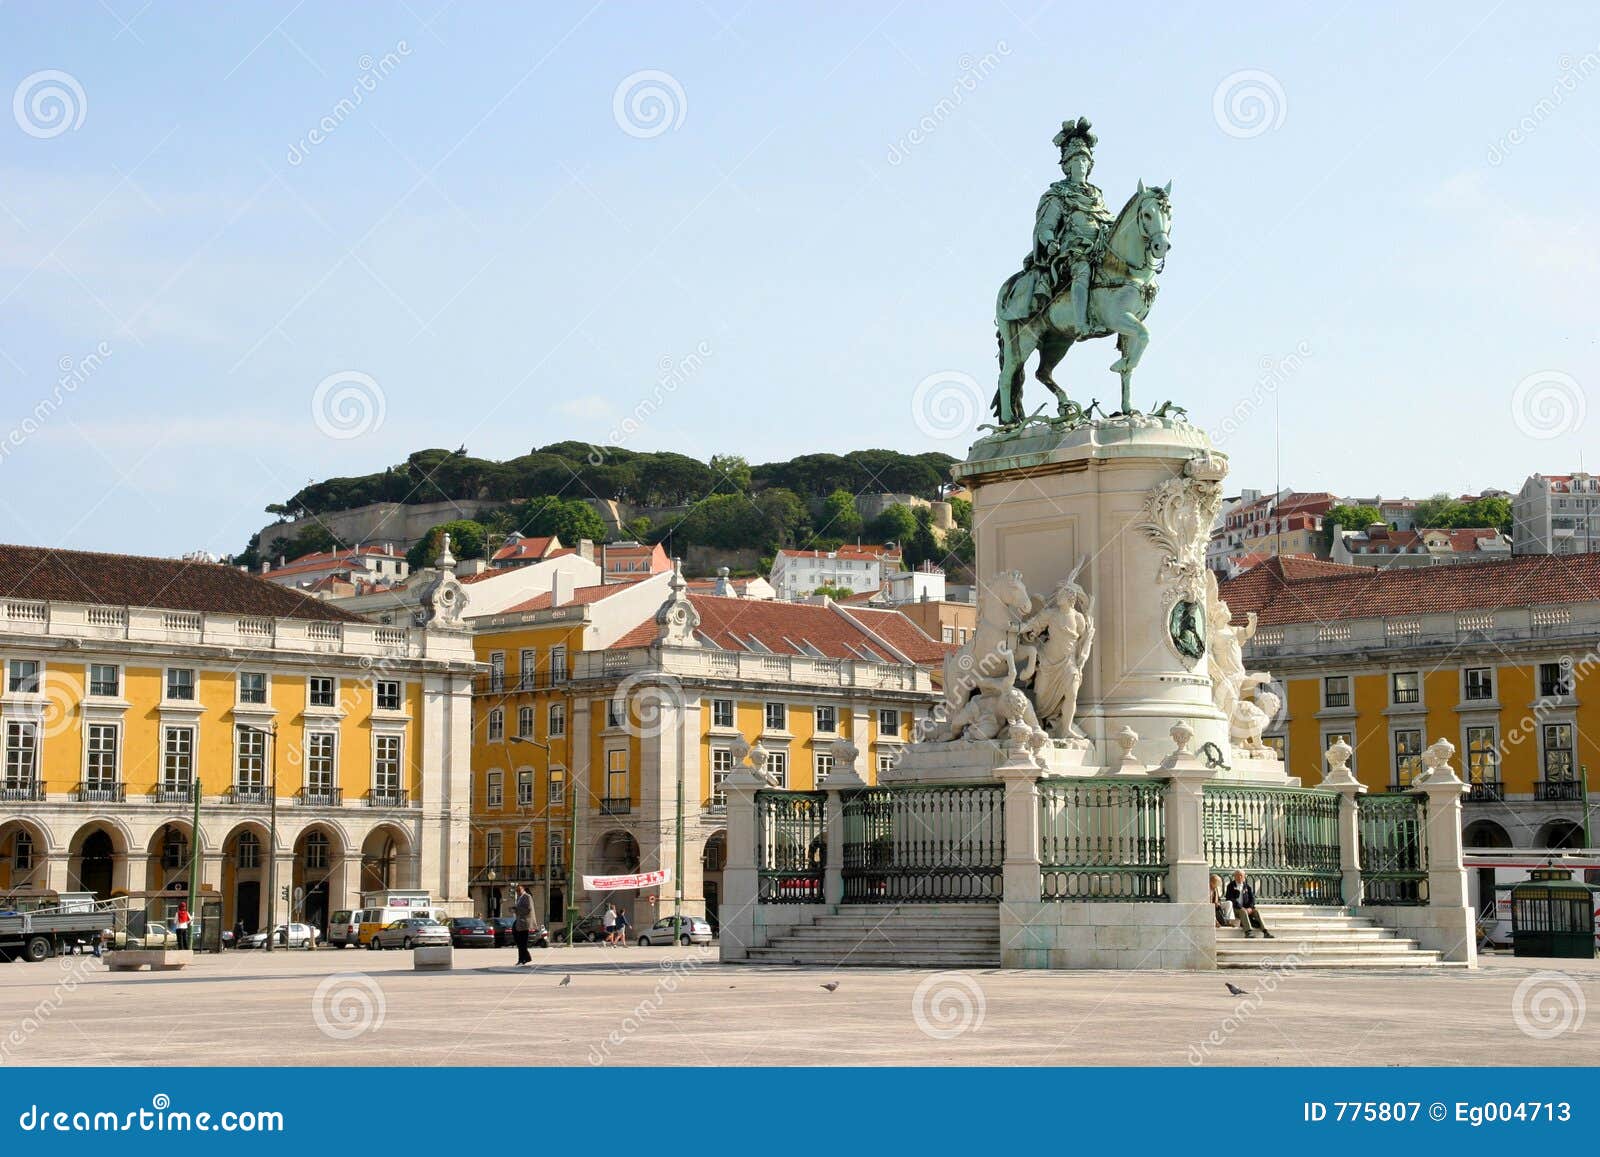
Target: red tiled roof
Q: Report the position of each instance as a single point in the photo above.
(785, 628)
(582, 596)
(535, 547)
(868, 551)
(1291, 591)
(901, 633)
(123, 580)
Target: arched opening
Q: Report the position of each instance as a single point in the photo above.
(385, 860)
(713, 858)
(24, 859)
(318, 869)
(98, 862)
(244, 878)
(1562, 834)
(167, 862)
(616, 853)
(1485, 834)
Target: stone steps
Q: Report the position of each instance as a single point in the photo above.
(892, 936)
(1320, 937)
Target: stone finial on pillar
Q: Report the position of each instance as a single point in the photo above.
(1182, 735)
(1451, 927)
(1127, 763)
(1341, 779)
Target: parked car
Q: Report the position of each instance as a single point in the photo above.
(470, 932)
(538, 935)
(693, 930)
(344, 930)
(412, 932)
(153, 936)
(285, 936)
(590, 928)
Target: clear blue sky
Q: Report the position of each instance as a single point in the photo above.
(483, 240)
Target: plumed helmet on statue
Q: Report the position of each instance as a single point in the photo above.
(1075, 139)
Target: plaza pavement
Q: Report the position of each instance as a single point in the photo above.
(670, 1006)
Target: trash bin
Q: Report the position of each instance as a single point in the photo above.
(1553, 915)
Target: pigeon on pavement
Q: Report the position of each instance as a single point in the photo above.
(1235, 989)
(564, 981)
(831, 985)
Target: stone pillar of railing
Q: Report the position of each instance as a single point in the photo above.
(1020, 877)
(740, 879)
(1188, 873)
(1451, 928)
(1341, 779)
(846, 776)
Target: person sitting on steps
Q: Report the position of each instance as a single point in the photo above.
(1243, 897)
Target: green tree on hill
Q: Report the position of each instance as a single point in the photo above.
(839, 517)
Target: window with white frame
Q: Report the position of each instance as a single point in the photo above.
(105, 680)
(1407, 687)
(721, 768)
(497, 725)
(180, 684)
(386, 694)
(22, 851)
(1555, 680)
(557, 795)
(253, 687)
(524, 850)
(386, 764)
(1336, 691)
(827, 719)
(322, 691)
(778, 768)
(777, 717)
(886, 761)
(1407, 755)
(618, 788)
(249, 758)
(1479, 683)
(722, 713)
(22, 756)
(22, 676)
(177, 758)
(525, 722)
(557, 720)
(100, 762)
(558, 664)
(1483, 760)
(527, 665)
(492, 844)
(616, 712)
(497, 671)
(496, 795)
(822, 766)
(888, 723)
(321, 761)
(318, 849)
(525, 787)
(558, 852)
(1557, 754)
(247, 850)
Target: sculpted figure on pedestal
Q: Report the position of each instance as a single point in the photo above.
(1230, 682)
(1063, 632)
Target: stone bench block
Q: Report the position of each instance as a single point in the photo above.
(155, 959)
(440, 959)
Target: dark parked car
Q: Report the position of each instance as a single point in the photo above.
(539, 937)
(470, 932)
(590, 928)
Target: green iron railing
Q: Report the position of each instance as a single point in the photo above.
(1285, 838)
(1103, 839)
(791, 846)
(1394, 848)
(924, 844)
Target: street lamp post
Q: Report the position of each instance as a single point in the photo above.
(272, 831)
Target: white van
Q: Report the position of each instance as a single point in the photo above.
(366, 922)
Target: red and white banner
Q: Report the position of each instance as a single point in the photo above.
(624, 883)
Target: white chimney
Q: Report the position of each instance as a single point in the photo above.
(470, 566)
(561, 587)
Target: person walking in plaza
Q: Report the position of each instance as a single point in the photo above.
(622, 928)
(1243, 897)
(608, 921)
(181, 923)
(523, 907)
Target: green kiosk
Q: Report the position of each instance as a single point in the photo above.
(1553, 915)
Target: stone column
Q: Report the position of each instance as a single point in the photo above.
(739, 879)
(1188, 873)
(1341, 779)
(1455, 933)
(1021, 878)
(845, 778)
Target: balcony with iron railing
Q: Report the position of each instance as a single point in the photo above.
(616, 806)
(22, 791)
(507, 874)
(509, 684)
(1486, 791)
(1558, 791)
(99, 793)
(240, 793)
(173, 793)
(383, 797)
(319, 797)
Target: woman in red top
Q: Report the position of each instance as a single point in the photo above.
(181, 922)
